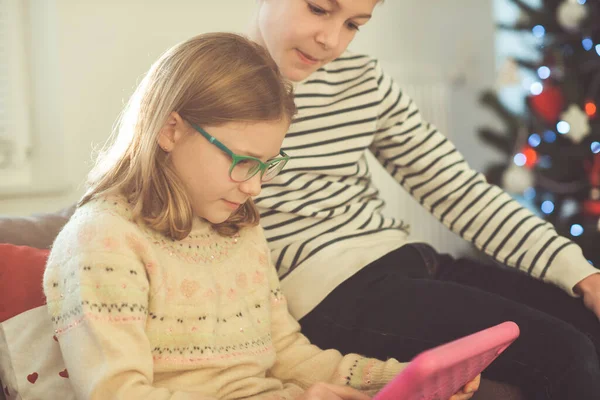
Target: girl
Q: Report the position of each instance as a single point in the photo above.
(160, 286)
(371, 291)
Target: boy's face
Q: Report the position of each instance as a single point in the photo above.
(304, 35)
(204, 168)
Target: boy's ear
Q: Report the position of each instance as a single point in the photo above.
(171, 132)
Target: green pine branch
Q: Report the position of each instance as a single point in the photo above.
(498, 140)
(527, 64)
(493, 173)
(527, 9)
(489, 98)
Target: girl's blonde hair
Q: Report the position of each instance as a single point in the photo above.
(211, 79)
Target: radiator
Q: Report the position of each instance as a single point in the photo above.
(433, 99)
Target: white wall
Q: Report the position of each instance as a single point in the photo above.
(87, 57)
(451, 43)
(99, 49)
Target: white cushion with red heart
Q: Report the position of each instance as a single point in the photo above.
(31, 365)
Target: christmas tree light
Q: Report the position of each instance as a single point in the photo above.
(552, 149)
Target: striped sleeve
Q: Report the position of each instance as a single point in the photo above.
(431, 169)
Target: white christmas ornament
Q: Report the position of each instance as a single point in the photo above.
(578, 121)
(570, 14)
(517, 179)
(569, 208)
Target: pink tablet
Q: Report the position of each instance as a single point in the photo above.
(438, 373)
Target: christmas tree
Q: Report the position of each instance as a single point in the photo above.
(552, 145)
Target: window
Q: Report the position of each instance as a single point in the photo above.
(15, 121)
(32, 140)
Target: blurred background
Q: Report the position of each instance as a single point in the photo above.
(67, 67)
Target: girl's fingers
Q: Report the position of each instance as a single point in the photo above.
(468, 390)
(473, 386)
(462, 396)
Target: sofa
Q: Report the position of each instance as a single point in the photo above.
(27, 240)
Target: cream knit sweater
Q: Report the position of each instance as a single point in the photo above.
(140, 316)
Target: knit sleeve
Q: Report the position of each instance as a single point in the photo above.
(97, 294)
(431, 170)
(303, 364)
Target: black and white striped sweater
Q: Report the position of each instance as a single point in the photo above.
(322, 215)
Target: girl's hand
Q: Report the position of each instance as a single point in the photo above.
(326, 391)
(468, 390)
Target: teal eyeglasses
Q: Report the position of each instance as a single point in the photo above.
(245, 167)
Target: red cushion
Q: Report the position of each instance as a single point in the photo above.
(21, 275)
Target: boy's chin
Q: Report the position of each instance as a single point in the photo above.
(296, 74)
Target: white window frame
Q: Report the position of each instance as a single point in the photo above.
(15, 113)
(35, 62)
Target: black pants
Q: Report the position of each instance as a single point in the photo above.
(414, 298)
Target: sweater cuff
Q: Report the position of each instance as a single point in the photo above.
(569, 268)
(370, 375)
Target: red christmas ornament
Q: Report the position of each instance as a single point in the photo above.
(549, 104)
